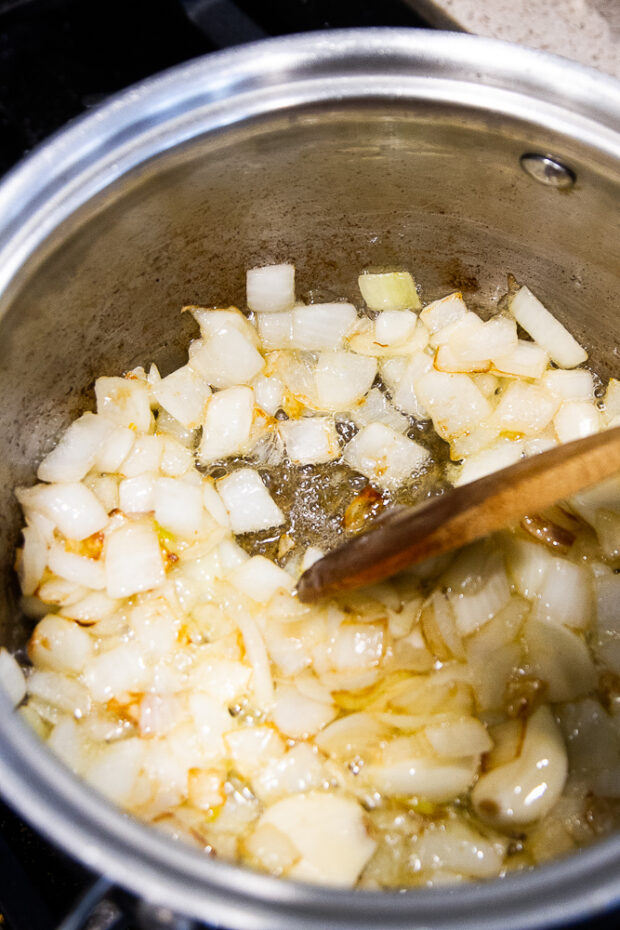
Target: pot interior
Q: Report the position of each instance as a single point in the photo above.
(438, 190)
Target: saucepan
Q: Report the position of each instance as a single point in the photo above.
(458, 157)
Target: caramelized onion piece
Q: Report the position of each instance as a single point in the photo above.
(548, 532)
(364, 506)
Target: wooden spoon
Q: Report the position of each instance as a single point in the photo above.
(405, 536)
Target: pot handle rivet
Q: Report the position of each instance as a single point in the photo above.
(547, 170)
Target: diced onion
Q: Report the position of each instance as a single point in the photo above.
(299, 716)
(12, 677)
(405, 393)
(248, 502)
(125, 401)
(75, 453)
(251, 748)
(310, 440)
(544, 329)
(271, 289)
(454, 402)
(116, 769)
(268, 392)
(525, 408)
(137, 495)
(227, 358)
(500, 454)
(178, 506)
(76, 568)
(176, 669)
(441, 313)
(60, 645)
(259, 578)
(525, 360)
(133, 560)
(299, 770)
(227, 424)
(342, 379)
(276, 330)
(183, 393)
(257, 656)
(33, 559)
(577, 384)
(145, 456)
(384, 456)
(576, 419)
(395, 327)
(71, 507)
(394, 290)
(321, 326)
(376, 408)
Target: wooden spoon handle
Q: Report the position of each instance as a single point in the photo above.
(462, 515)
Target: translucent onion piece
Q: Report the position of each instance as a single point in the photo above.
(12, 677)
(544, 329)
(257, 657)
(133, 560)
(33, 559)
(454, 402)
(60, 645)
(114, 673)
(310, 440)
(71, 507)
(227, 358)
(178, 506)
(405, 393)
(260, 579)
(137, 495)
(384, 456)
(321, 326)
(183, 393)
(500, 454)
(248, 502)
(125, 401)
(252, 748)
(441, 313)
(389, 291)
(271, 289)
(268, 392)
(526, 360)
(75, 453)
(342, 379)
(394, 327)
(457, 847)
(576, 419)
(577, 384)
(299, 716)
(299, 770)
(376, 408)
(76, 568)
(525, 408)
(116, 769)
(227, 425)
(145, 456)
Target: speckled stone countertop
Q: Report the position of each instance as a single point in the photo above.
(586, 30)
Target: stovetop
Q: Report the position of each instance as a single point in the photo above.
(58, 58)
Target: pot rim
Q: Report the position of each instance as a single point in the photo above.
(220, 91)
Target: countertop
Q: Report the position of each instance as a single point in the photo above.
(587, 31)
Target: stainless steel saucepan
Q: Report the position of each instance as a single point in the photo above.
(460, 158)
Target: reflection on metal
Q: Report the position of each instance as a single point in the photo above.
(548, 171)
